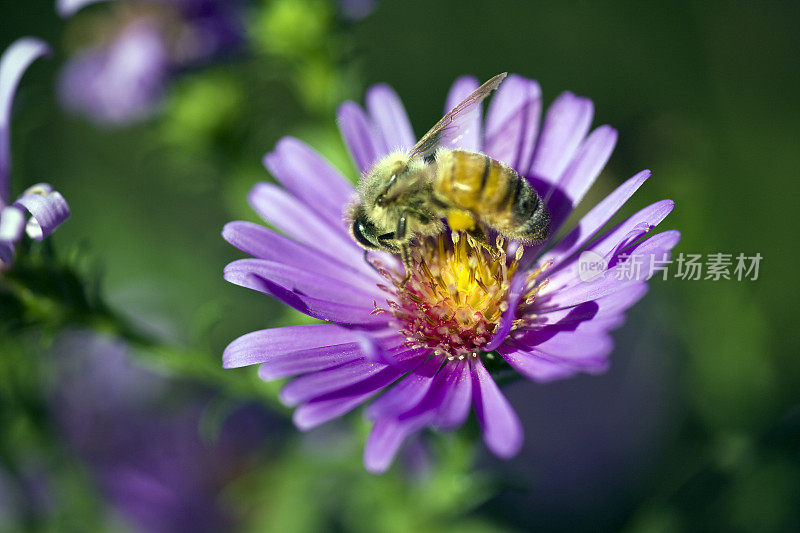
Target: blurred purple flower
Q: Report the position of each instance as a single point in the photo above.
(67, 8)
(125, 76)
(461, 309)
(121, 83)
(46, 207)
(355, 10)
(146, 455)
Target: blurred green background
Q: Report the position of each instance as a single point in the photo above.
(697, 426)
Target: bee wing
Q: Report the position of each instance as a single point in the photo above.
(452, 120)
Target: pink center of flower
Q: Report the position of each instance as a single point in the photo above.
(455, 295)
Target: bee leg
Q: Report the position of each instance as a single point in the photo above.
(462, 220)
(400, 232)
(480, 237)
(405, 251)
(405, 254)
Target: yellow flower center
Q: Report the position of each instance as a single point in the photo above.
(455, 294)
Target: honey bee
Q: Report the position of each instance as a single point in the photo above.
(408, 195)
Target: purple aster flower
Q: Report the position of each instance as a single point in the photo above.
(40, 209)
(124, 77)
(424, 345)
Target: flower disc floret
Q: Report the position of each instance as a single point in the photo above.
(455, 294)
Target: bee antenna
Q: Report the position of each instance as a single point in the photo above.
(370, 263)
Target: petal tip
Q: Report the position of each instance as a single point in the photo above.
(288, 399)
(303, 422)
(375, 466)
(345, 109)
(229, 357)
(229, 230)
(511, 442)
(380, 90)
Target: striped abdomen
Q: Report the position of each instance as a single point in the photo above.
(493, 193)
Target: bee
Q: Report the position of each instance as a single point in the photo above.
(408, 195)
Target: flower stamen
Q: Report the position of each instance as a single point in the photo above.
(456, 293)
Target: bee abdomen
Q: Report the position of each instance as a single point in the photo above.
(470, 180)
(530, 216)
(520, 213)
(494, 192)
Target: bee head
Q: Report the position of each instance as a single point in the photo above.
(364, 231)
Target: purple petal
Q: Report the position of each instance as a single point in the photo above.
(535, 367)
(605, 323)
(584, 292)
(575, 321)
(6, 254)
(313, 360)
(619, 303)
(310, 178)
(512, 122)
(295, 219)
(566, 272)
(337, 403)
(565, 126)
(306, 361)
(426, 406)
(455, 406)
(12, 223)
(609, 306)
(579, 348)
(407, 393)
(431, 403)
(363, 140)
(265, 345)
(48, 210)
(405, 361)
(466, 130)
(303, 282)
(580, 175)
(67, 8)
(311, 415)
(501, 427)
(264, 243)
(515, 293)
(372, 351)
(388, 433)
(390, 117)
(333, 311)
(611, 281)
(646, 219)
(656, 246)
(350, 379)
(384, 441)
(388, 347)
(320, 383)
(595, 219)
(13, 64)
